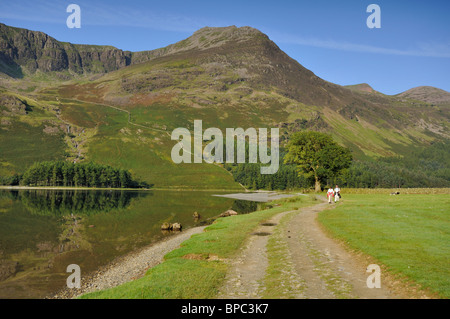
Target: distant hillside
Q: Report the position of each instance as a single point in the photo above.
(427, 94)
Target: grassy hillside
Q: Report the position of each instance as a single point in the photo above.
(28, 133)
(101, 134)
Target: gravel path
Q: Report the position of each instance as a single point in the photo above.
(318, 266)
(129, 267)
(329, 271)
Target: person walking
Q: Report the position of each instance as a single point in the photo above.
(330, 194)
(337, 194)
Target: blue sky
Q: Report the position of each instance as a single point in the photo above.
(331, 38)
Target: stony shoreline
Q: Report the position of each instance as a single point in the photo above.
(127, 268)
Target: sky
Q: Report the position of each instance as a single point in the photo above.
(331, 38)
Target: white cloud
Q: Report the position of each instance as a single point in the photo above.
(422, 50)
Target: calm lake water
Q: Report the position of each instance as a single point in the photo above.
(44, 231)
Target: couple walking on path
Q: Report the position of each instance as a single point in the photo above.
(334, 192)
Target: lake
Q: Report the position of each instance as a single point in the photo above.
(44, 231)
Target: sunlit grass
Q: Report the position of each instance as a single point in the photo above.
(408, 233)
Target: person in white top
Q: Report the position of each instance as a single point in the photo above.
(337, 194)
(330, 194)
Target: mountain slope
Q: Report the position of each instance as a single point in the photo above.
(427, 94)
(253, 82)
(227, 77)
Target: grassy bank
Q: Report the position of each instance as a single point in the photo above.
(402, 191)
(408, 233)
(197, 269)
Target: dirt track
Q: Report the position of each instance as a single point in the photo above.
(317, 266)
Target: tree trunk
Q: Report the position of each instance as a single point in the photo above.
(317, 185)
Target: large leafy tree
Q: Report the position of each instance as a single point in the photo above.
(317, 155)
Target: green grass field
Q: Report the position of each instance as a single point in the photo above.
(409, 234)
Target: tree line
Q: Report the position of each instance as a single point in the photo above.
(61, 173)
(427, 167)
(287, 177)
(309, 159)
(361, 174)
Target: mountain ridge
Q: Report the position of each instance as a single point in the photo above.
(24, 52)
(428, 94)
(81, 58)
(32, 50)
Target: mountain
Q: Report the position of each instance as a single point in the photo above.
(24, 52)
(363, 87)
(427, 94)
(119, 108)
